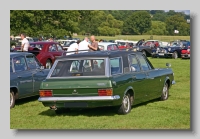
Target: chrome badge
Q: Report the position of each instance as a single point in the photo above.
(74, 92)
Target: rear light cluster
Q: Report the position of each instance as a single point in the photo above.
(105, 92)
(46, 93)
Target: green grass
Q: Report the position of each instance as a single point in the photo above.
(138, 37)
(171, 114)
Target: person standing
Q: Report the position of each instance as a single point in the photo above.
(73, 48)
(83, 45)
(25, 43)
(94, 44)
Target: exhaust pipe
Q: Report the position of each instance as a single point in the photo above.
(53, 107)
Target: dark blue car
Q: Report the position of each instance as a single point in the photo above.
(173, 51)
(26, 75)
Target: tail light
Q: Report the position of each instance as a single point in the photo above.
(105, 92)
(45, 93)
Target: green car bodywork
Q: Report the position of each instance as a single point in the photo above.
(135, 81)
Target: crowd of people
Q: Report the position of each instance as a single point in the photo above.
(83, 46)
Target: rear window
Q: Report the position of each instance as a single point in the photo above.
(84, 67)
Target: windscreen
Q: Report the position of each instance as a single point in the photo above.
(84, 67)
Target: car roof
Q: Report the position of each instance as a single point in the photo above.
(14, 54)
(110, 54)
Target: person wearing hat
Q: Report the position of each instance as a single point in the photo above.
(73, 48)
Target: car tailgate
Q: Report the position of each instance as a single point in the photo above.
(76, 87)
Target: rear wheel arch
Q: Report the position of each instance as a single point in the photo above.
(167, 80)
(15, 90)
(130, 91)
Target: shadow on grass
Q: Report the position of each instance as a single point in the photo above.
(92, 112)
(26, 100)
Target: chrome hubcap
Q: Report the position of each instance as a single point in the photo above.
(126, 103)
(175, 55)
(165, 91)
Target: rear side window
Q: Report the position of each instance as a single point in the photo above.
(116, 65)
(59, 47)
(32, 63)
(19, 63)
(133, 63)
(52, 48)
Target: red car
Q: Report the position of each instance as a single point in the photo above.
(185, 53)
(46, 52)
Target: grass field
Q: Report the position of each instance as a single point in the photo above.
(139, 37)
(171, 114)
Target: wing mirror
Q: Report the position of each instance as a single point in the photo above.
(168, 64)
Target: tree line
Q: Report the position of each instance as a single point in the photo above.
(60, 23)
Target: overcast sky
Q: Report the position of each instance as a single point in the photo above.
(186, 11)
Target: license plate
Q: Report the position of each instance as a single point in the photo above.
(75, 104)
(189, 55)
(161, 54)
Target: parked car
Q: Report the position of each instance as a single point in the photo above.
(104, 78)
(26, 75)
(45, 52)
(146, 50)
(67, 43)
(173, 51)
(185, 53)
(107, 46)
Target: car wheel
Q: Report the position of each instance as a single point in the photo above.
(165, 92)
(125, 107)
(48, 64)
(12, 99)
(175, 55)
(144, 53)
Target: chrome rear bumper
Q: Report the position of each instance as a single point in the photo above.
(92, 98)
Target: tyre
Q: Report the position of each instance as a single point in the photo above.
(48, 64)
(165, 92)
(175, 55)
(12, 99)
(144, 53)
(125, 107)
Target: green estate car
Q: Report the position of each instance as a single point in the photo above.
(104, 78)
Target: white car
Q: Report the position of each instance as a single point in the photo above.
(103, 46)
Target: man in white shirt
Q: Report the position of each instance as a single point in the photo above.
(83, 45)
(73, 47)
(25, 43)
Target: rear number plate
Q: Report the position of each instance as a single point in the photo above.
(161, 54)
(76, 104)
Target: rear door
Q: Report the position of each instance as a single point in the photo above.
(138, 79)
(37, 74)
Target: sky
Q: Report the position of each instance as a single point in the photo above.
(185, 11)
